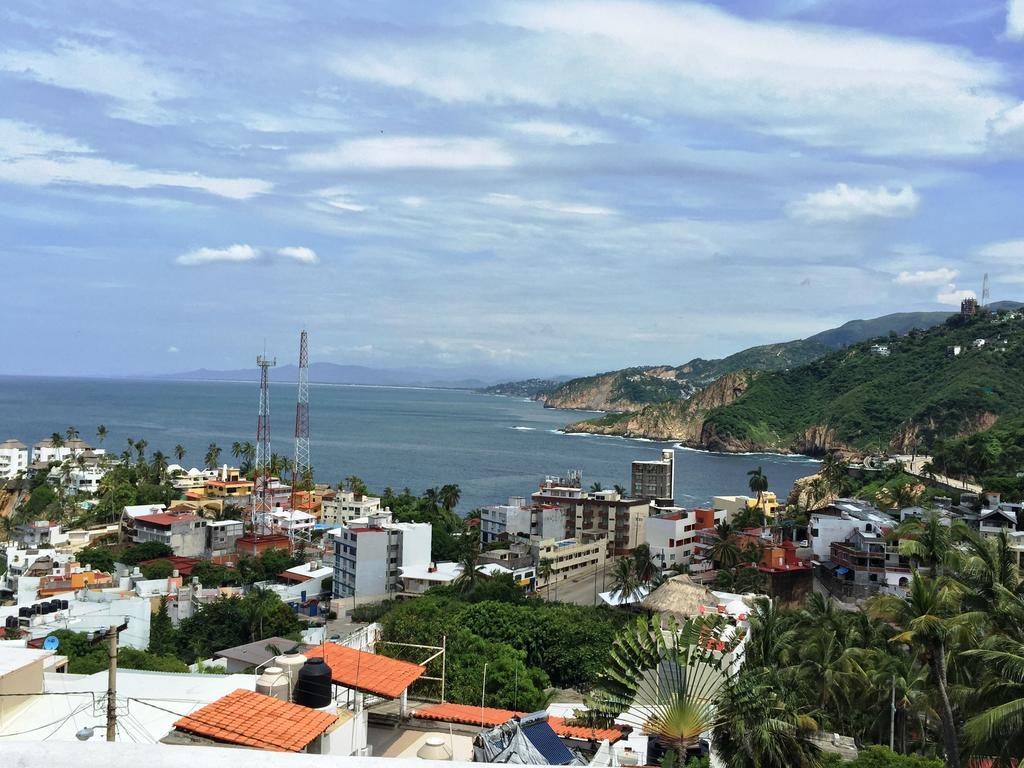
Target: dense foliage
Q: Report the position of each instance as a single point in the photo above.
(527, 645)
(867, 398)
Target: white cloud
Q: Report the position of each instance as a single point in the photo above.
(940, 276)
(565, 133)
(1015, 19)
(579, 209)
(845, 203)
(817, 85)
(233, 253)
(455, 153)
(412, 201)
(345, 205)
(34, 157)
(952, 296)
(173, 350)
(299, 253)
(1006, 130)
(125, 77)
(1007, 251)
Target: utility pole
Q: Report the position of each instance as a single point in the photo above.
(112, 682)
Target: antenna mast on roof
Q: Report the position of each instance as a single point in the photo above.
(262, 503)
(301, 471)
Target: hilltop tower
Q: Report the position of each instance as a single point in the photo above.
(262, 503)
(301, 468)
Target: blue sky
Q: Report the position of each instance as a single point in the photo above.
(535, 187)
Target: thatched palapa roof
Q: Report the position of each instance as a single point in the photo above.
(680, 596)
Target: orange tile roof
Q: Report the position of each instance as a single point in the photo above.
(254, 720)
(469, 714)
(367, 672)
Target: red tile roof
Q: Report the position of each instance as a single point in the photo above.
(254, 720)
(368, 672)
(469, 714)
(165, 519)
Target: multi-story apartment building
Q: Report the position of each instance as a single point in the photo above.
(655, 480)
(340, 507)
(221, 536)
(184, 533)
(229, 483)
(370, 552)
(517, 519)
(866, 560)
(671, 532)
(599, 514)
(13, 459)
(41, 534)
(566, 557)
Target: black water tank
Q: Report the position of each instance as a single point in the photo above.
(35, 609)
(55, 605)
(63, 605)
(45, 608)
(313, 686)
(11, 622)
(25, 611)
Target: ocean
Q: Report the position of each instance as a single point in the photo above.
(492, 447)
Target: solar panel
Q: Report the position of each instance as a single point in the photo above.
(547, 743)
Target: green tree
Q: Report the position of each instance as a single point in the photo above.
(163, 640)
(625, 582)
(725, 552)
(179, 452)
(212, 458)
(159, 569)
(758, 483)
(449, 496)
(101, 434)
(928, 618)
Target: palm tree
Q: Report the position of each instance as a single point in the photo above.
(212, 456)
(987, 567)
(643, 564)
(832, 668)
(621, 490)
(101, 433)
(432, 497)
(757, 728)
(159, 464)
(625, 582)
(928, 541)
(449, 496)
(179, 452)
(467, 581)
(999, 728)
(56, 442)
(236, 449)
(725, 552)
(140, 448)
(596, 488)
(928, 618)
(71, 433)
(758, 483)
(833, 470)
(900, 496)
(259, 603)
(666, 680)
(358, 487)
(544, 570)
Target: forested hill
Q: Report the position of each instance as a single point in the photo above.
(631, 389)
(889, 393)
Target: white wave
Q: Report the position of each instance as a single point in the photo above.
(795, 458)
(524, 429)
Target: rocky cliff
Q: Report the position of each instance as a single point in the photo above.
(680, 420)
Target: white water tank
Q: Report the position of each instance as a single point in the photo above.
(274, 682)
(291, 663)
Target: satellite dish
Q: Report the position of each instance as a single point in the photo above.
(51, 643)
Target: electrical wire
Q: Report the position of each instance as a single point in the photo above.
(58, 723)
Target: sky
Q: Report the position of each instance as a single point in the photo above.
(533, 187)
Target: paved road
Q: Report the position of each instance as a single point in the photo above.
(579, 588)
(915, 466)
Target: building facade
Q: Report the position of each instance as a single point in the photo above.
(370, 552)
(598, 514)
(341, 507)
(13, 459)
(185, 534)
(671, 533)
(655, 480)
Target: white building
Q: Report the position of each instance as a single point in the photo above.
(514, 519)
(41, 534)
(189, 479)
(370, 552)
(345, 506)
(671, 532)
(837, 524)
(13, 458)
(44, 451)
(84, 479)
(417, 579)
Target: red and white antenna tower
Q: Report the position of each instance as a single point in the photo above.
(301, 468)
(262, 503)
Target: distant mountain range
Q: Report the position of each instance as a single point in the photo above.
(333, 373)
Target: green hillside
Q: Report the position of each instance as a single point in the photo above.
(861, 398)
